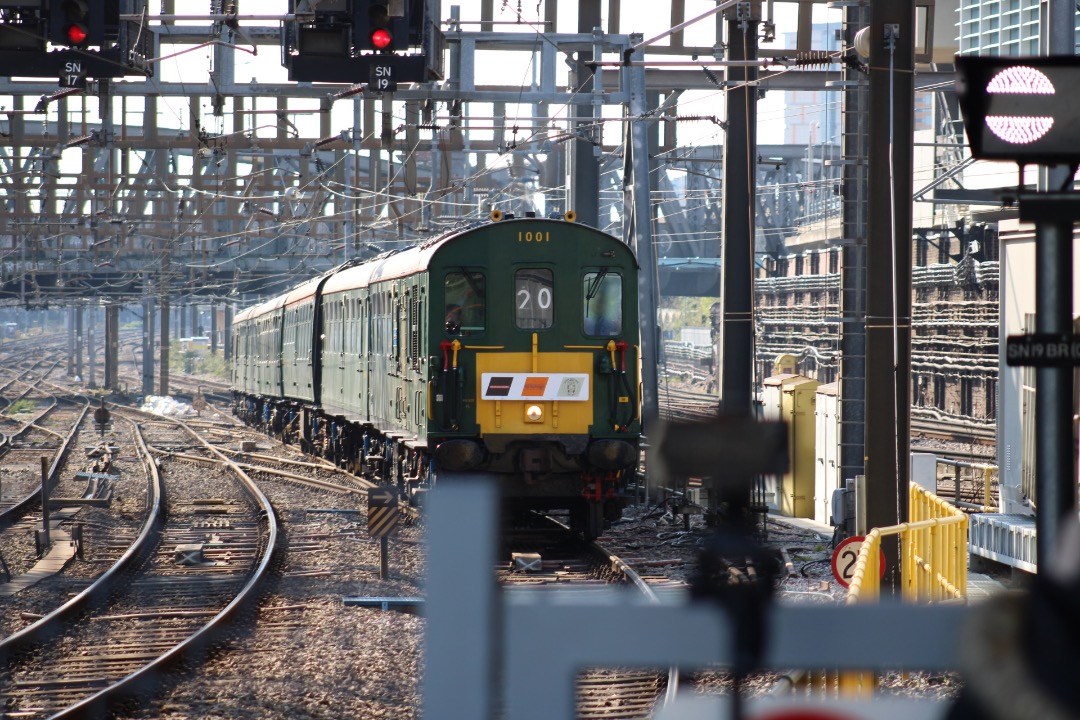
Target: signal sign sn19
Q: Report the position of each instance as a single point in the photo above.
(1043, 350)
(382, 76)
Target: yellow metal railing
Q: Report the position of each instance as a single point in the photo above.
(933, 553)
(933, 563)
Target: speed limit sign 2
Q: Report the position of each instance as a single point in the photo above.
(844, 557)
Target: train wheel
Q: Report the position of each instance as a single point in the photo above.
(596, 521)
(587, 518)
(613, 511)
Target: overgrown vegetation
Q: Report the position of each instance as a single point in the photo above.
(194, 362)
(20, 406)
(680, 312)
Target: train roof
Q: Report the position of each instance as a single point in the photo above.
(257, 311)
(416, 259)
(303, 291)
(388, 266)
(244, 314)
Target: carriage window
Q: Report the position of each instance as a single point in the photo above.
(534, 299)
(465, 303)
(603, 303)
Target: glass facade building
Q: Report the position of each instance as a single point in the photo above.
(999, 27)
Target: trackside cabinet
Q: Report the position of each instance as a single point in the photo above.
(792, 398)
(827, 463)
(772, 400)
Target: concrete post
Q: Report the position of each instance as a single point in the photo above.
(213, 328)
(71, 341)
(112, 347)
(228, 344)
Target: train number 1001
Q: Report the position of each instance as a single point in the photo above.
(538, 236)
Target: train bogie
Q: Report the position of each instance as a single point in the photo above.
(508, 349)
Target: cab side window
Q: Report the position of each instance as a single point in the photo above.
(466, 303)
(534, 298)
(602, 307)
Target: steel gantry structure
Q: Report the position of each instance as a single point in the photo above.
(214, 185)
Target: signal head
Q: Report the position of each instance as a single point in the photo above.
(1020, 108)
(71, 23)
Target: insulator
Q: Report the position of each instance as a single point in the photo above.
(711, 75)
(813, 58)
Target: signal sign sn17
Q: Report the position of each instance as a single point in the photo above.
(73, 75)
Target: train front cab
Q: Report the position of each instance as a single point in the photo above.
(538, 378)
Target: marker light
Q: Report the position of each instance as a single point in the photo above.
(1019, 130)
(534, 413)
(381, 38)
(76, 34)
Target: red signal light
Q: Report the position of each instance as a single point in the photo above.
(381, 38)
(76, 34)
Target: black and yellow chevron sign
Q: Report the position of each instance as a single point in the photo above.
(382, 512)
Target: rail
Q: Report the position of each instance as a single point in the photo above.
(194, 646)
(48, 626)
(8, 516)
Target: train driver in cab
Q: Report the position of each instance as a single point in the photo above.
(464, 302)
(602, 309)
(453, 319)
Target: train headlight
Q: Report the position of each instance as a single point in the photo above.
(534, 414)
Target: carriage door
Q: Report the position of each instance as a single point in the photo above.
(401, 350)
(367, 363)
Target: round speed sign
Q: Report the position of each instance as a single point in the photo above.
(844, 557)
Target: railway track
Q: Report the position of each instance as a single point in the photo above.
(954, 439)
(290, 620)
(37, 444)
(558, 561)
(165, 600)
(181, 385)
(272, 459)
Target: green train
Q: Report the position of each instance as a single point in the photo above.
(508, 348)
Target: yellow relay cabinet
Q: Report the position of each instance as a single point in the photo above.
(792, 398)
